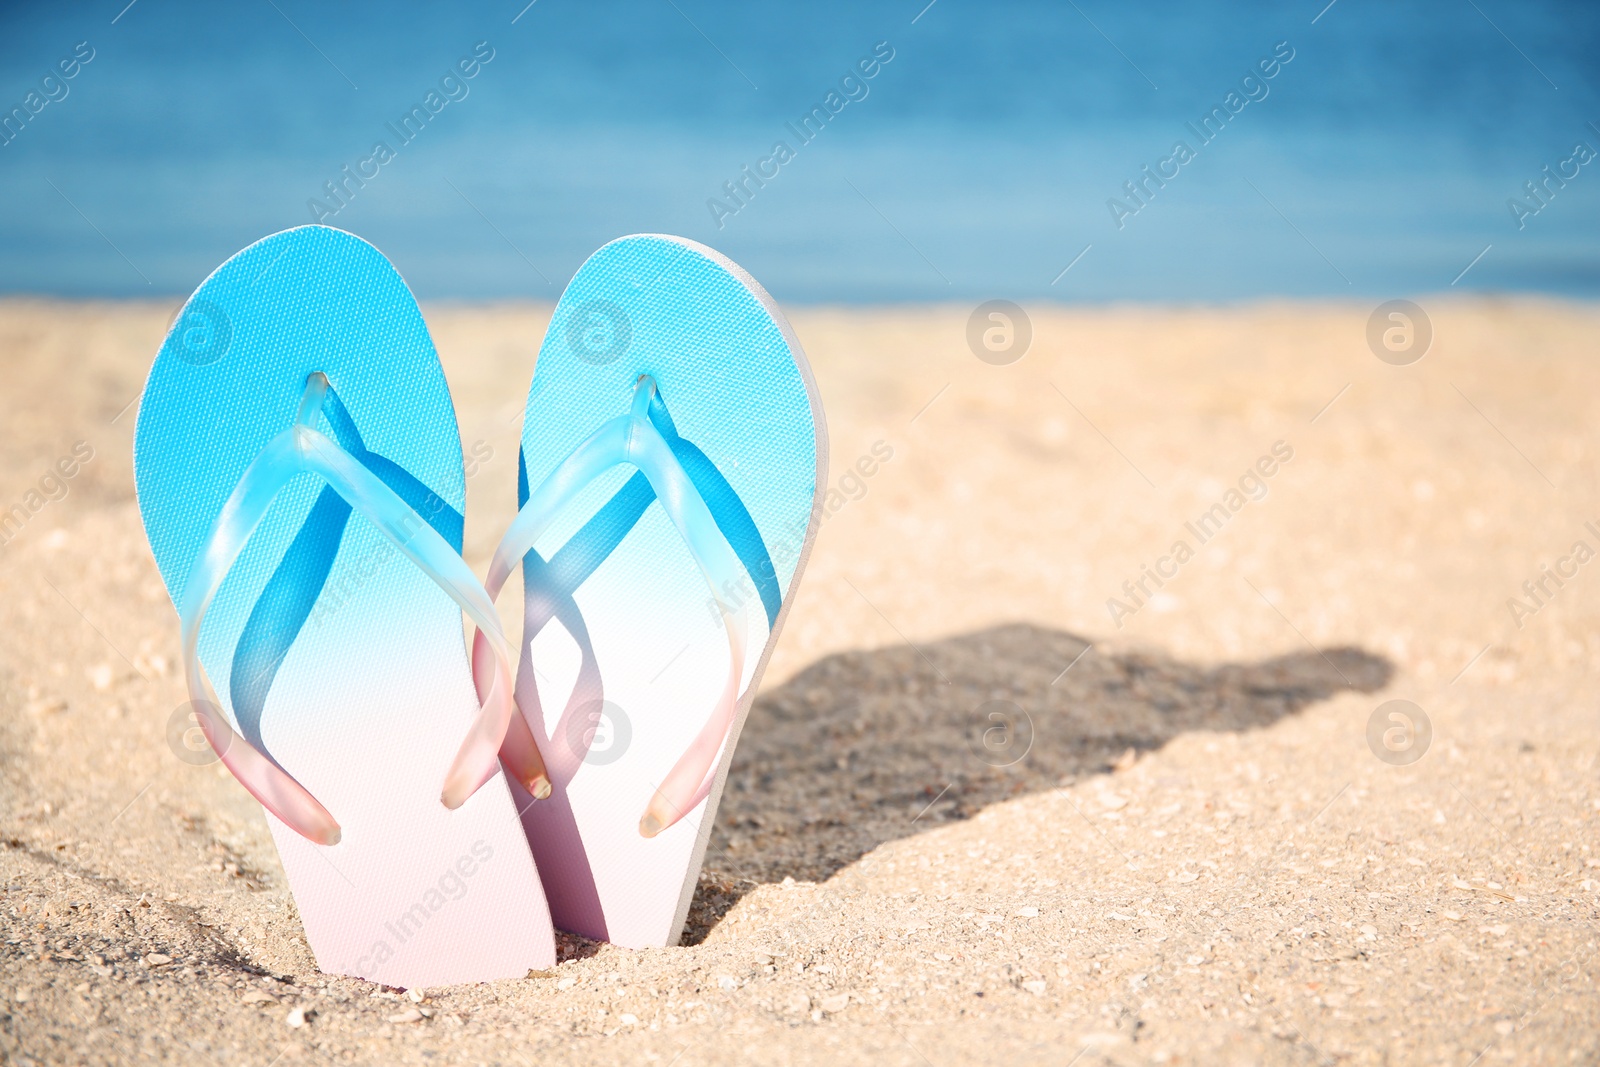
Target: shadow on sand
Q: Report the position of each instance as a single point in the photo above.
(862, 748)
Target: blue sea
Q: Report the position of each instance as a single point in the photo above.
(843, 152)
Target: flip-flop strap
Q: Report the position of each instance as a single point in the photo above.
(294, 594)
(589, 547)
(550, 585)
(733, 518)
(301, 449)
(634, 440)
(548, 595)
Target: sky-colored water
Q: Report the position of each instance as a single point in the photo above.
(981, 158)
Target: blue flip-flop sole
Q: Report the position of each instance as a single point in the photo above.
(733, 376)
(327, 647)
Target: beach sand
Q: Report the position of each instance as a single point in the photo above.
(1176, 846)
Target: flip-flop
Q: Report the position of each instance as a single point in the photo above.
(667, 377)
(296, 439)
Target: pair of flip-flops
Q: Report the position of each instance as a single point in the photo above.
(301, 479)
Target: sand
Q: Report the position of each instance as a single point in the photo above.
(1175, 845)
